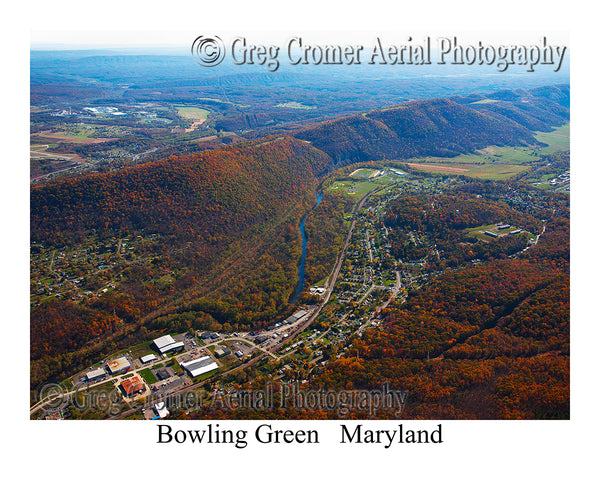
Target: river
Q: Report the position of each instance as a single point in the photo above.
(301, 267)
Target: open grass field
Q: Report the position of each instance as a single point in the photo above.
(354, 189)
(478, 232)
(559, 140)
(148, 376)
(192, 113)
(64, 137)
(364, 173)
(485, 100)
(494, 162)
(296, 105)
(491, 171)
(491, 154)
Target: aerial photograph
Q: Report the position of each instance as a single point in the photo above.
(301, 229)
(324, 239)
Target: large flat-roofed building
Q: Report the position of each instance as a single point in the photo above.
(95, 374)
(166, 344)
(199, 366)
(299, 314)
(119, 365)
(222, 351)
(148, 358)
(295, 317)
(162, 374)
(133, 386)
(161, 410)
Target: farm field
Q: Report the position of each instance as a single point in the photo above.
(297, 105)
(490, 171)
(493, 154)
(558, 140)
(497, 163)
(192, 113)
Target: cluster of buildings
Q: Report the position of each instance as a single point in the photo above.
(113, 367)
(499, 228)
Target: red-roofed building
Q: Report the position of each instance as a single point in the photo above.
(133, 386)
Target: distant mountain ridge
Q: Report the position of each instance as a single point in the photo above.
(441, 127)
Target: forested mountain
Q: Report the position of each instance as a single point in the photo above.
(211, 196)
(441, 127)
(227, 218)
(226, 223)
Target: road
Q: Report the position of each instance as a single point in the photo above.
(294, 330)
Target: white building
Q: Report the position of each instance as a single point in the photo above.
(199, 366)
(119, 365)
(161, 410)
(148, 358)
(166, 344)
(95, 374)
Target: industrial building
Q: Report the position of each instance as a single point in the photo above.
(161, 410)
(222, 351)
(295, 317)
(95, 374)
(199, 366)
(119, 365)
(148, 358)
(162, 374)
(133, 386)
(166, 344)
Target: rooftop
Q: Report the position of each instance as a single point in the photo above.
(163, 341)
(132, 385)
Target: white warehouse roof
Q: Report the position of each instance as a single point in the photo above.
(96, 373)
(199, 366)
(148, 358)
(118, 365)
(167, 343)
(162, 342)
